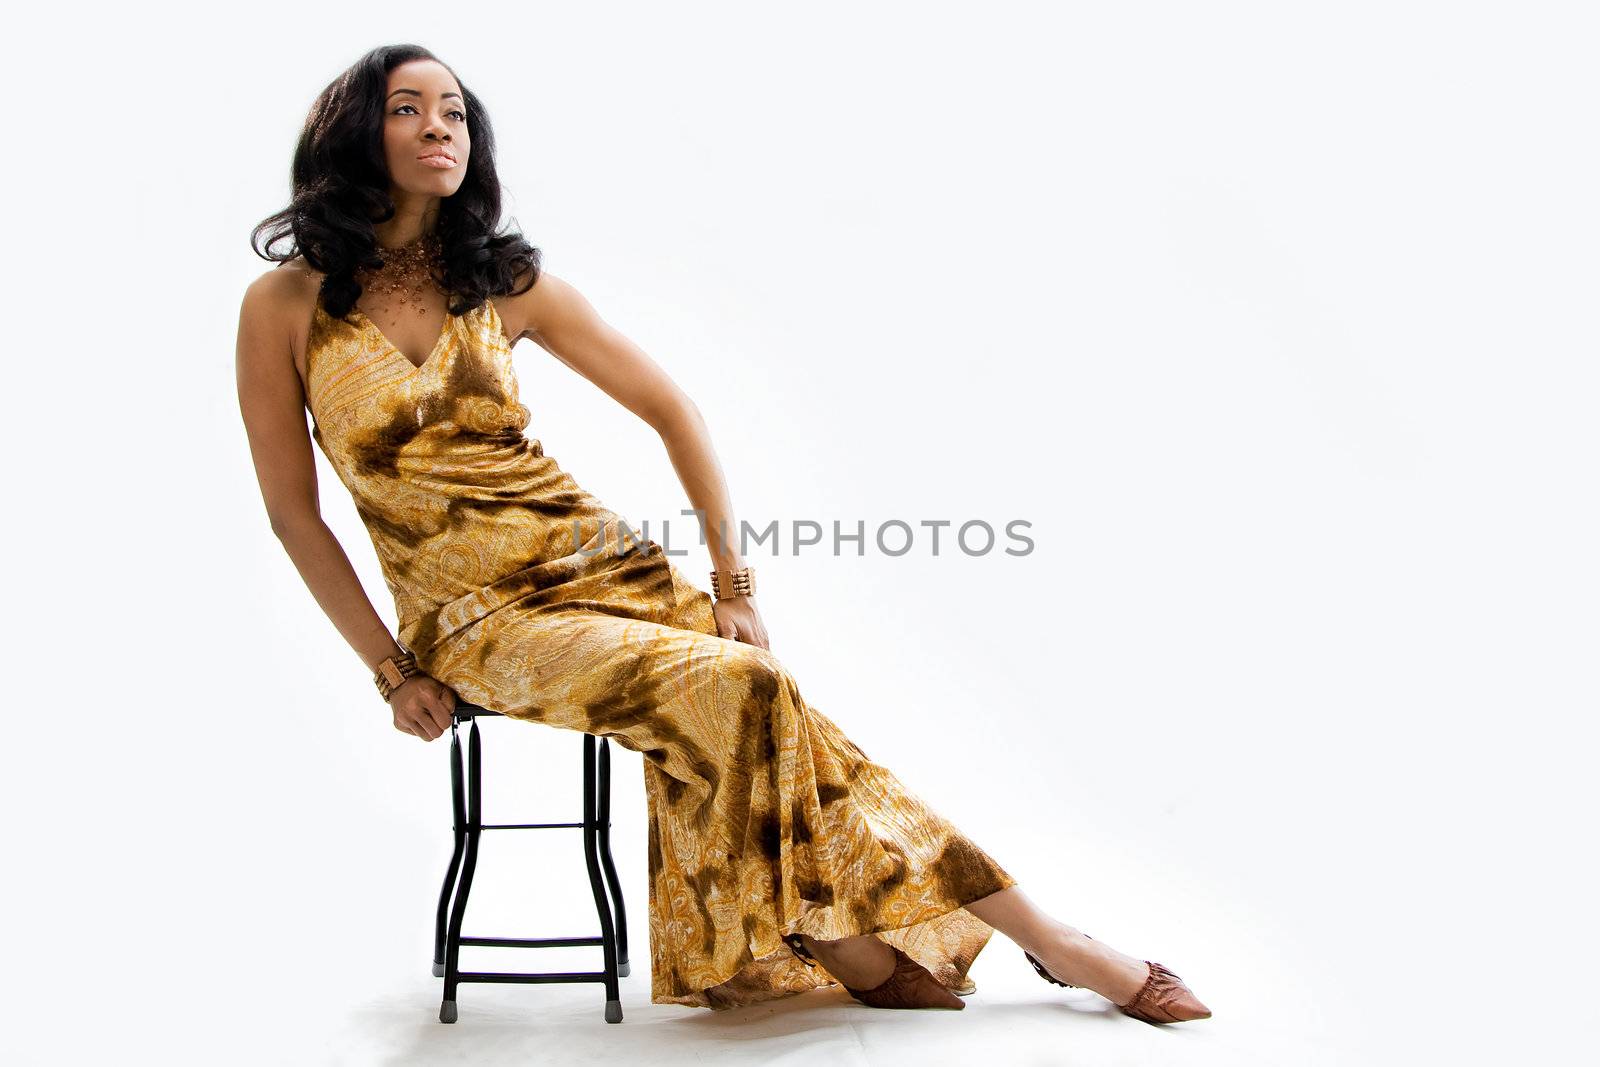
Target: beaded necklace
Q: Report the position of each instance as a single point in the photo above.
(408, 271)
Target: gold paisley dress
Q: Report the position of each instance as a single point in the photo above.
(522, 593)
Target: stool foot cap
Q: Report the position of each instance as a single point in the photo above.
(613, 1011)
(622, 969)
(438, 970)
(447, 1012)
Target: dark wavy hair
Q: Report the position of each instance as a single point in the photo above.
(340, 188)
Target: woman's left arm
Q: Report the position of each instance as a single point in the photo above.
(561, 321)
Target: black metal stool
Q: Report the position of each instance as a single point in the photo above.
(468, 821)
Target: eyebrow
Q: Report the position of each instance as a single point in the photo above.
(414, 92)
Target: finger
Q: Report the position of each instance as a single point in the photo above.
(440, 720)
(424, 725)
(441, 713)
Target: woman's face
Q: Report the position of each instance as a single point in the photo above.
(425, 141)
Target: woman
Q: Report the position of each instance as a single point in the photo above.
(775, 843)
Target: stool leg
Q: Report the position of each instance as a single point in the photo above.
(458, 822)
(452, 959)
(591, 857)
(604, 831)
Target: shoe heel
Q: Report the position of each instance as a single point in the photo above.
(797, 945)
(909, 985)
(1046, 975)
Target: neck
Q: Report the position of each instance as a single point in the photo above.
(390, 243)
(408, 226)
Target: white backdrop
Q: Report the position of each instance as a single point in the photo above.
(1275, 321)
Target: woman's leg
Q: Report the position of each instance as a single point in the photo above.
(1065, 951)
(864, 962)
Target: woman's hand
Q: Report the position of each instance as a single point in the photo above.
(738, 619)
(423, 706)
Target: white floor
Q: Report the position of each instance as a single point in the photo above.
(1005, 1023)
(242, 960)
(238, 991)
(1013, 1019)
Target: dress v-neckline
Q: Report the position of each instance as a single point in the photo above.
(444, 334)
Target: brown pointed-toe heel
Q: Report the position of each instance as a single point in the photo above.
(1164, 999)
(909, 985)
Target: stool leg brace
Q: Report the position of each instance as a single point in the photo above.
(467, 804)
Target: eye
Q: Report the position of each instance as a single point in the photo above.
(453, 111)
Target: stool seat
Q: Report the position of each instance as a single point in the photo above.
(465, 711)
(466, 794)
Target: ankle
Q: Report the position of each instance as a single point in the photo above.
(1080, 960)
(861, 962)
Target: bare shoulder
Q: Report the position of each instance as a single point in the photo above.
(277, 307)
(285, 288)
(536, 312)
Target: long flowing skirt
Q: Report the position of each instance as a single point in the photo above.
(764, 818)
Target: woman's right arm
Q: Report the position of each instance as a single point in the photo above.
(272, 403)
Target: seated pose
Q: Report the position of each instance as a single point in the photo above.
(781, 856)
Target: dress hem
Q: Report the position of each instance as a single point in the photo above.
(955, 967)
